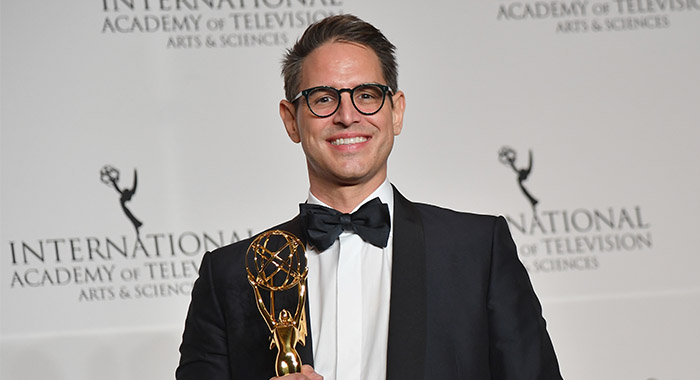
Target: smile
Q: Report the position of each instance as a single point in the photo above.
(348, 141)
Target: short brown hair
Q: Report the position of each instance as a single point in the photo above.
(341, 28)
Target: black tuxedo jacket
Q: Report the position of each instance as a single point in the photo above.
(462, 307)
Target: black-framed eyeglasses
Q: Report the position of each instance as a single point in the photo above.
(323, 101)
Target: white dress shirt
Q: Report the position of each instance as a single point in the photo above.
(349, 288)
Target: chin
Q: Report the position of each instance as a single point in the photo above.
(355, 178)
(349, 180)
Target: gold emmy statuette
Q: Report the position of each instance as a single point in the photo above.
(276, 262)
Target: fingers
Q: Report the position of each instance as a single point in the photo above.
(307, 373)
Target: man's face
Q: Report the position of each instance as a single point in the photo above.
(346, 148)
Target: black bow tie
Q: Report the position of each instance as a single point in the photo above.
(323, 225)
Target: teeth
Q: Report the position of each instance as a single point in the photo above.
(348, 141)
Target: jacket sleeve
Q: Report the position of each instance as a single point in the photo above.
(203, 352)
(520, 347)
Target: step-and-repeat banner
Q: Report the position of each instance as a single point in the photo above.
(137, 134)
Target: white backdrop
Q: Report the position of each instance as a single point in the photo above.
(183, 96)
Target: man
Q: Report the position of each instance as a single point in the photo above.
(435, 294)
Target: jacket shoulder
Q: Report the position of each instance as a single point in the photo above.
(446, 217)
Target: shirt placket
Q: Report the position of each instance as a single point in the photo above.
(349, 308)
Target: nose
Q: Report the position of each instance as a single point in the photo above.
(347, 114)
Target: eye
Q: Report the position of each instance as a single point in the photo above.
(368, 94)
(322, 97)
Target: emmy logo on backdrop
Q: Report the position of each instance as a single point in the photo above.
(276, 263)
(110, 175)
(507, 156)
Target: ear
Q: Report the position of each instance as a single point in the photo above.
(288, 113)
(397, 111)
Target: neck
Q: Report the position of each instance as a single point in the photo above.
(345, 198)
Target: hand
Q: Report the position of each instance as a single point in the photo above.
(307, 373)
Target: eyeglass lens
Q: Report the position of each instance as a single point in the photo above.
(367, 99)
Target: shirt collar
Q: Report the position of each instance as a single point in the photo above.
(384, 192)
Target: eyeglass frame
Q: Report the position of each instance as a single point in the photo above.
(305, 93)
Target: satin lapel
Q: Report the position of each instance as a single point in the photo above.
(407, 318)
(290, 297)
